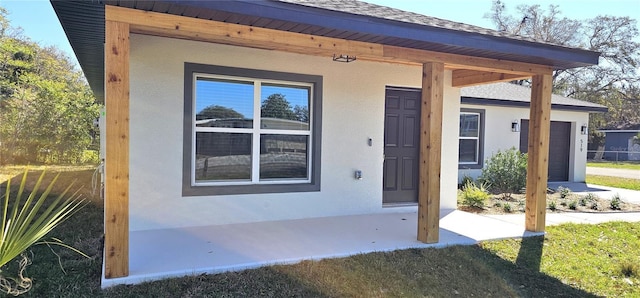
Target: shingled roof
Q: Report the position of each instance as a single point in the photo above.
(389, 13)
(508, 94)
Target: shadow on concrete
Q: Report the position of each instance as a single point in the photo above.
(575, 186)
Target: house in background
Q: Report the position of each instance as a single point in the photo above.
(375, 88)
(496, 117)
(622, 142)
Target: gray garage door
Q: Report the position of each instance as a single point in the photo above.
(559, 145)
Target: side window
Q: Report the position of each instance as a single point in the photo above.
(250, 131)
(471, 139)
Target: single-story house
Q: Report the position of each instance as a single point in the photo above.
(378, 91)
(621, 142)
(496, 117)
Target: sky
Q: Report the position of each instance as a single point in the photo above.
(40, 24)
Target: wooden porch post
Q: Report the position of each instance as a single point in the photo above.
(430, 152)
(116, 205)
(537, 170)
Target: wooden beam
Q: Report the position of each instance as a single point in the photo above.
(430, 152)
(464, 78)
(538, 151)
(168, 25)
(116, 205)
(173, 26)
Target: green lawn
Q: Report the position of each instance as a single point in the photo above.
(631, 165)
(570, 261)
(618, 182)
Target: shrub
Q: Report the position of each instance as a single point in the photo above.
(564, 192)
(573, 205)
(615, 202)
(594, 206)
(506, 171)
(506, 207)
(474, 195)
(583, 201)
(30, 218)
(629, 269)
(90, 157)
(552, 206)
(588, 198)
(465, 179)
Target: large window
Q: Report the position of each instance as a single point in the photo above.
(470, 139)
(250, 131)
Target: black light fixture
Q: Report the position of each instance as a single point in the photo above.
(343, 58)
(583, 129)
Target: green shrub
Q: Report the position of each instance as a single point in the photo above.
(506, 207)
(506, 172)
(588, 198)
(564, 192)
(553, 206)
(615, 202)
(583, 201)
(90, 157)
(563, 204)
(465, 179)
(573, 205)
(594, 206)
(474, 195)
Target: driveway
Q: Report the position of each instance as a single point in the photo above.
(623, 173)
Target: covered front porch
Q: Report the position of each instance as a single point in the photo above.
(157, 254)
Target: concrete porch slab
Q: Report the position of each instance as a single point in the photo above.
(158, 254)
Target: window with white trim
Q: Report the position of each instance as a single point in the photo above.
(251, 131)
(470, 138)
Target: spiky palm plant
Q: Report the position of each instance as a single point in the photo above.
(27, 222)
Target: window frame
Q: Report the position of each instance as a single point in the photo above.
(480, 147)
(190, 187)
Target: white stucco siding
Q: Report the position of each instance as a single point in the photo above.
(353, 111)
(498, 135)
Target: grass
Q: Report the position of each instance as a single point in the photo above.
(631, 165)
(570, 261)
(594, 258)
(618, 182)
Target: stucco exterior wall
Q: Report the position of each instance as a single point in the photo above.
(353, 111)
(498, 136)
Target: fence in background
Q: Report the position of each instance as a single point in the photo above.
(613, 155)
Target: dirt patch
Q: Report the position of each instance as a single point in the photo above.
(499, 204)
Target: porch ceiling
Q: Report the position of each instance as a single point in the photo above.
(358, 22)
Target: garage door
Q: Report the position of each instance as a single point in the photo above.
(559, 145)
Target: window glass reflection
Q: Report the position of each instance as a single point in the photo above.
(284, 107)
(224, 103)
(223, 156)
(283, 156)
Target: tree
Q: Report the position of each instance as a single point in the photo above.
(302, 113)
(46, 107)
(218, 112)
(614, 82)
(277, 106)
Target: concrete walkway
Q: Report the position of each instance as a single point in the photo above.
(623, 173)
(553, 219)
(605, 192)
(157, 254)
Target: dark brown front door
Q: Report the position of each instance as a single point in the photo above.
(401, 146)
(559, 147)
